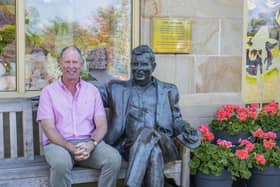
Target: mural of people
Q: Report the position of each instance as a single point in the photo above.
(262, 59)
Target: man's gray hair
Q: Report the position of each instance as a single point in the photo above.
(71, 47)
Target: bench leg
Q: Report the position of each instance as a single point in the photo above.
(185, 179)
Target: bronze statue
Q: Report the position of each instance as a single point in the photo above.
(144, 119)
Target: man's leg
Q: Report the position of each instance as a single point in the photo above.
(154, 176)
(107, 159)
(61, 164)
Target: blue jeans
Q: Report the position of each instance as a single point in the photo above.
(104, 157)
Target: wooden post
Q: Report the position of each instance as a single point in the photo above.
(185, 173)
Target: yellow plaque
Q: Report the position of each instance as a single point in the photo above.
(171, 35)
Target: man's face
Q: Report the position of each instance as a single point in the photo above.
(142, 68)
(71, 64)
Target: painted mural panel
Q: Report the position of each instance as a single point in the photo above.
(261, 55)
(101, 29)
(8, 45)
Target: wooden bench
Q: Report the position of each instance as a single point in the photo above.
(21, 158)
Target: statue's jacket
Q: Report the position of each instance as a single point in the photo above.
(116, 97)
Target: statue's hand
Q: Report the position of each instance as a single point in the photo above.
(190, 137)
(189, 130)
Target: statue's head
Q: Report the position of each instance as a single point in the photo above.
(142, 64)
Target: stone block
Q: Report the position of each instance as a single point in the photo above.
(231, 36)
(203, 8)
(151, 8)
(205, 36)
(218, 74)
(146, 32)
(166, 67)
(184, 76)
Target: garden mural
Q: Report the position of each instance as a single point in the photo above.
(100, 29)
(261, 51)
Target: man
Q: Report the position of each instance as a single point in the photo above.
(145, 116)
(74, 125)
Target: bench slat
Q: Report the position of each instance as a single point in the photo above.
(12, 106)
(28, 131)
(1, 136)
(13, 134)
(24, 172)
(41, 169)
(20, 162)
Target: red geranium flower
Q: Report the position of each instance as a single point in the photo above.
(260, 159)
(242, 154)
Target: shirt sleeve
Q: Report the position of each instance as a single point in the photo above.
(45, 110)
(98, 106)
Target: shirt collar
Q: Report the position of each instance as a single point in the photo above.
(78, 85)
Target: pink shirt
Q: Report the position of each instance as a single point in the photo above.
(73, 115)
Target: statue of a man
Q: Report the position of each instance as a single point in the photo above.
(144, 119)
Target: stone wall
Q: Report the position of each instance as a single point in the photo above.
(211, 75)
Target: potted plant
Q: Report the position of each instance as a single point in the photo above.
(217, 163)
(241, 164)
(266, 160)
(209, 161)
(269, 119)
(233, 122)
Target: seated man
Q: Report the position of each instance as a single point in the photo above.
(145, 117)
(74, 126)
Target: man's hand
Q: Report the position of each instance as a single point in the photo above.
(83, 150)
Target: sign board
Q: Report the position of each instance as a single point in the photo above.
(171, 35)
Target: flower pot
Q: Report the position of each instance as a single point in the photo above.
(233, 138)
(277, 140)
(204, 180)
(264, 178)
(239, 183)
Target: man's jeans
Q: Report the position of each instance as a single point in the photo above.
(104, 157)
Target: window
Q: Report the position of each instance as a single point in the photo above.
(105, 31)
(8, 46)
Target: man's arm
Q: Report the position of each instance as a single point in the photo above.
(100, 128)
(45, 117)
(100, 122)
(54, 136)
(97, 135)
(99, 118)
